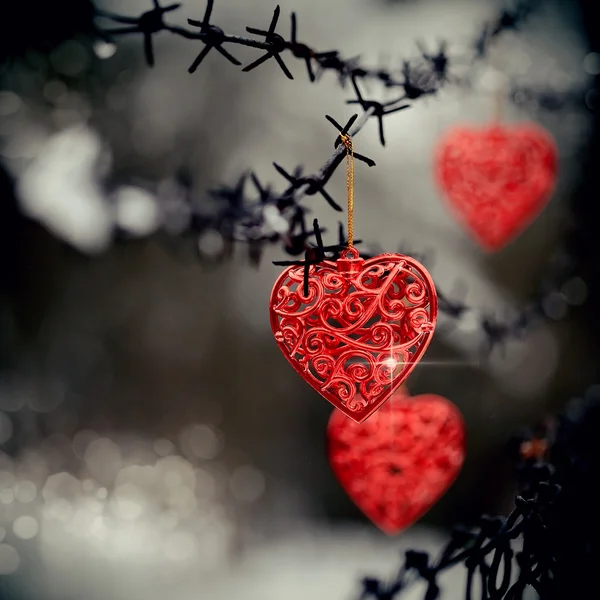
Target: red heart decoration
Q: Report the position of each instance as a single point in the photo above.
(497, 178)
(361, 329)
(399, 463)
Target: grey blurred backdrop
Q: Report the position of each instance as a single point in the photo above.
(155, 441)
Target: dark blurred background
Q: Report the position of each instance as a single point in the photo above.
(153, 440)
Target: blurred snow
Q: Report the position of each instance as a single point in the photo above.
(305, 562)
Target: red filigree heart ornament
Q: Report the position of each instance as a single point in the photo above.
(400, 462)
(361, 329)
(497, 178)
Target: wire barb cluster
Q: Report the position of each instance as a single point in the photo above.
(548, 542)
(281, 217)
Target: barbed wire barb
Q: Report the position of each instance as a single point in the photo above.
(280, 217)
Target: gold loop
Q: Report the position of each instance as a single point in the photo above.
(347, 141)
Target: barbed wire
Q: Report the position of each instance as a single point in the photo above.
(548, 543)
(414, 82)
(274, 218)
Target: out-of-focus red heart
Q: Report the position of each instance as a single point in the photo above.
(396, 465)
(497, 178)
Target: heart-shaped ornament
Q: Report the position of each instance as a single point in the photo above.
(361, 329)
(497, 178)
(400, 462)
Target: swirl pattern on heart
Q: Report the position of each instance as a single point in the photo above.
(358, 333)
(497, 178)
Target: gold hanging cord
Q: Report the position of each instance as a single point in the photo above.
(347, 141)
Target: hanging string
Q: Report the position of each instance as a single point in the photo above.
(347, 141)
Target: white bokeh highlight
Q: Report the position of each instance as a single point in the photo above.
(61, 188)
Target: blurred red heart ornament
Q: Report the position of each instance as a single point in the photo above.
(400, 462)
(497, 178)
(361, 329)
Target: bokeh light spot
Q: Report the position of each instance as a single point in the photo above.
(25, 527)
